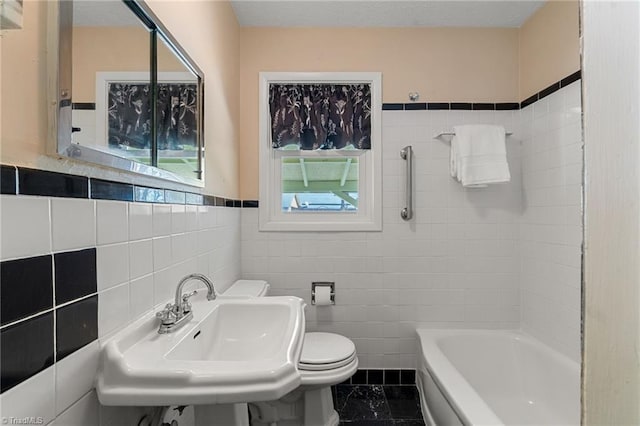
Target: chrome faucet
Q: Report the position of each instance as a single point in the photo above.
(172, 317)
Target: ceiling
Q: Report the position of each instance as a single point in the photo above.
(384, 13)
(103, 13)
(339, 13)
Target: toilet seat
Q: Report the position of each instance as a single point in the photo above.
(326, 351)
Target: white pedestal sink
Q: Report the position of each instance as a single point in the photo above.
(233, 351)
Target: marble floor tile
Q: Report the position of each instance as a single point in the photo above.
(354, 403)
(375, 405)
(403, 401)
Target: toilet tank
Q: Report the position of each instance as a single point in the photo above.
(247, 289)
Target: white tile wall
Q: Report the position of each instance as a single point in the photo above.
(85, 412)
(112, 265)
(112, 222)
(140, 221)
(551, 228)
(75, 375)
(162, 220)
(113, 309)
(25, 225)
(141, 258)
(142, 250)
(456, 265)
(34, 397)
(503, 257)
(500, 257)
(73, 224)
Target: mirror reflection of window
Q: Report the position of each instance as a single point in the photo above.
(177, 114)
(111, 80)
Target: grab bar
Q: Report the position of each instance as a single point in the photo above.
(407, 154)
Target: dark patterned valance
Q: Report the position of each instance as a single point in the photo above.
(130, 115)
(320, 116)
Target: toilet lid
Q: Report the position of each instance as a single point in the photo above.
(326, 351)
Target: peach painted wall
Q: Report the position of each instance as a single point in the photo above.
(24, 103)
(549, 46)
(207, 30)
(443, 64)
(112, 49)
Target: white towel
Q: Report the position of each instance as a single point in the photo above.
(479, 155)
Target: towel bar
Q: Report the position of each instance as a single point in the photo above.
(453, 134)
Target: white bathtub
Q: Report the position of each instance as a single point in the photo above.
(478, 377)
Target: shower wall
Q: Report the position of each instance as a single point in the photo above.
(456, 264)
(551, 224)
(506, 256)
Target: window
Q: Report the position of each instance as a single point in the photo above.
(320, 152)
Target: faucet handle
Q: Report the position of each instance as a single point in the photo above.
(167, 315)
(186, 297)
(186, 306)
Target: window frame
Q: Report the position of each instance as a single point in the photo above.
(369, 214)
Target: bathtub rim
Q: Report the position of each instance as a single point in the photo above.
(461, 390)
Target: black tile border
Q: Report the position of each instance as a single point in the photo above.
(507, 106)
(8, 180)
(144, 194)
(531, 99)
(392, 107)
(107, 190)
(549, 90)
(88, 106)
(434, 106)
(462, 106)
(194, 199)
(25, 181)
(52, 184)
(377, 376)
(571, 79)
(392, 377)
(415, 106)
(174, 197)
(482, 106)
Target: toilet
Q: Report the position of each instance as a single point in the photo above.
(326, 360)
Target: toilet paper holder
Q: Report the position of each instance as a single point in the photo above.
(330, 284)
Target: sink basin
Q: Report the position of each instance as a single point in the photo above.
(237, 332)
(232, 351)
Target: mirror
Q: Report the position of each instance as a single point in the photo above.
(111, 76)
(177, 114)
(129, 96)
